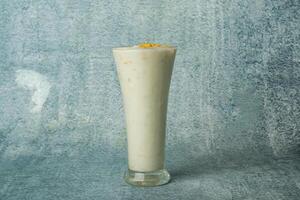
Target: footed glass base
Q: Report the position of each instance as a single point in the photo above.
(147, 179)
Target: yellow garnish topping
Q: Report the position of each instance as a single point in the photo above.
(149, 45)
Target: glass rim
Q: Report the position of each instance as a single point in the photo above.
(134, 48)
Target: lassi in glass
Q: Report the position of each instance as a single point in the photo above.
(144, 73)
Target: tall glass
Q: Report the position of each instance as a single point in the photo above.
(145, 75)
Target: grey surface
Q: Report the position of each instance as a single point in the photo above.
(233, 120)
(98, 175)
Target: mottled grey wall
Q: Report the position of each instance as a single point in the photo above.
(235, 87)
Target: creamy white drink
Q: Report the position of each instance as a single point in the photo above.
(144, 73)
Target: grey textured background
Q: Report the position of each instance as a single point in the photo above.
(234, 106)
